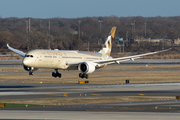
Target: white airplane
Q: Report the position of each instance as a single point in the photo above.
(84, 61)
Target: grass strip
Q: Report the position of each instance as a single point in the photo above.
(84, 100)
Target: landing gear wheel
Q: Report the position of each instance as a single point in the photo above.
(86, 76)
(56, 74)
(59, 75)
(30, 73)
(80, 75)
(83, 75)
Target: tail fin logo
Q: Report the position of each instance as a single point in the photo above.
(108, 44)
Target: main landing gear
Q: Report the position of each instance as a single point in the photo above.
(83, 75)
(56, 74)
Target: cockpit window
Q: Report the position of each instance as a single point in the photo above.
(29, 56)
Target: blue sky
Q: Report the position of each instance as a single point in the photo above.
(88, 8)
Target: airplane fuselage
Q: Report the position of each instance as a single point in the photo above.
(56, 59)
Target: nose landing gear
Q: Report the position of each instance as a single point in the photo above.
(31, 73)
(83, 75)
(56, 74)
(31, 70)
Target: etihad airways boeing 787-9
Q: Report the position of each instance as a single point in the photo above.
(84, 61)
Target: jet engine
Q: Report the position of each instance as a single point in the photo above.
(30, 68)
(86, 67)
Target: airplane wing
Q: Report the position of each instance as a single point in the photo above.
(16, 51)
(151, 62)
(116, 60)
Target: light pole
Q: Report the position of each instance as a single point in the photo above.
(40, 25)
(145, 30)
(163, 44)
(88, 45)
(132, 29)
(49, 26)
(79, 28)
(100, 21)
(27, 35)
(29, 23)
(49, 44)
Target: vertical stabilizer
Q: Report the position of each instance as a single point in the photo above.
(106, 49)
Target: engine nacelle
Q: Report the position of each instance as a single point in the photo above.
(30, 68)
(86, 67)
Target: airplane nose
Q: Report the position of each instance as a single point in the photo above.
(25, 62)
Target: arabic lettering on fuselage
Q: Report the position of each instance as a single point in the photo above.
(54, 53)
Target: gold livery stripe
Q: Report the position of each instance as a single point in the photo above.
(113, 32)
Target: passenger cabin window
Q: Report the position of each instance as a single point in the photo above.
(48, 56)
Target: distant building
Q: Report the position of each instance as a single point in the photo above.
(177, 41)
(120, 40)
(157, 41)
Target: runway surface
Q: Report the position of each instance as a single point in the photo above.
(160, 109)
(79, 115)
(29, 90)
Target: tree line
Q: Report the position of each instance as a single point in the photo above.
(63, 33)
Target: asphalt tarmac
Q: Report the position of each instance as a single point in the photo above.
(27, 90)
(148, 110)
(32, 90)
(160, 110)
(85, 115)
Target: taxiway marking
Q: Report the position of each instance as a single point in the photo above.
(54, 94)
(96, 94)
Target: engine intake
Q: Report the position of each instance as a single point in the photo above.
(86, 67)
